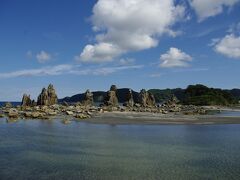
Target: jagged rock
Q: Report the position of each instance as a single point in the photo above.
(88, 98)
(43, 97)
(113, 88)
(130, 101)
(172, 101)
(47, 96)
(146, 99)
(8, 105)
(26, 100)
(52, 96)
(111, 98)
(65, 103)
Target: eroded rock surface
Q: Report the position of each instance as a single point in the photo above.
(130, 100)
(111, 98)
(146, 99)
(88, 98)
(47, 97)
(26, 100)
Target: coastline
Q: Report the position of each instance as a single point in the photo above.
(144, 118)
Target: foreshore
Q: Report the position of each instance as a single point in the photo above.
(118, 118)
(175, 114)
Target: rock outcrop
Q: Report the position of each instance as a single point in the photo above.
(146, 99)
(129, 97)
(26, 100)
(47, 96)
(111, 98)
(52, 96)
(88, 98)
(8, 105)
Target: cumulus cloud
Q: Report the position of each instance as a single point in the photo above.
(175, 58)
(43, 57)
(129, 25)
(67, 69)
(228, 46)
(99, 53)
(209, 8)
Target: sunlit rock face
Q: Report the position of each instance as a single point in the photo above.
(88, 98)
(48, 96)
(111, 98)
(146, 99)
(130, 100)
(26, 100)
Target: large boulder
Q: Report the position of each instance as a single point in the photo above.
(146, 99)
(26, 100)
(13, 113)
(111, 98)
(88, 98)
(47, 97)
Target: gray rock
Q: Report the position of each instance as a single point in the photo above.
(47, 96)
(26, 100)
(146, 99)
(111, 98)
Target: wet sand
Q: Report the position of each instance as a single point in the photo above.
(116, 118)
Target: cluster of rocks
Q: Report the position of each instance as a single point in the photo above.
(46, 112)
(47, 97)
(145, 99)
(47, 105)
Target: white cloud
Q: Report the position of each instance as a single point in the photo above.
(67, 69)
(129, 25)
(228, 46)
(175, 58)
(50, 70)
(98, 53)
(209, 8)
(43, 57)
(126, 61)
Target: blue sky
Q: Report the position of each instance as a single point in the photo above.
(79, 45)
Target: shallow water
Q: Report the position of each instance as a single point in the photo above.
(35, 149)
(228, 114)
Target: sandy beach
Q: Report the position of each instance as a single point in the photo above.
(153, 118)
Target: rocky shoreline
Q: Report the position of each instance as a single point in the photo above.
(145, 110)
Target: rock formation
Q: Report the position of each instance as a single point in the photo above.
(47, 96)
(172, 101)
(26, 100)
(146, 99)
(88, 98)
(129, 97)
(52, 96)
(111, 98)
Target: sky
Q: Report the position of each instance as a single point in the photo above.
(78, 45)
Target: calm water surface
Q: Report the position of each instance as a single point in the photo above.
(50, 150)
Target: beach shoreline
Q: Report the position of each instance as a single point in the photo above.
(144, 118)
